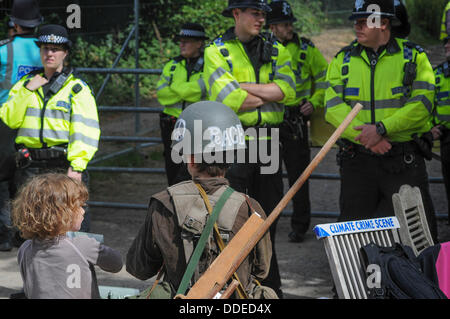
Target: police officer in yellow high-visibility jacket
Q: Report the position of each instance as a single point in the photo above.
(441, 117)
(310, 69)
(394, 81)
(445, 25)
(180, 85)
(55, 114)
(250, 72)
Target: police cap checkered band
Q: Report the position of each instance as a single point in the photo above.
(54, 34)
(192, 33)
(56, 39)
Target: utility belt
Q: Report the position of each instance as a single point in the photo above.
(41, 157)
(294, 124)
(405, 149)
(262, 131)
(167, 120)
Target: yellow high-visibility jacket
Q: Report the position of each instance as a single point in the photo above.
(68, 117)
(176, 89)
(442, 102)
(227, 64)
(378, 85)
(310, 69)
(444, 33)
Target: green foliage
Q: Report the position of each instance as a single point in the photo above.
(426, 15)
(309, 16)
(160, 22)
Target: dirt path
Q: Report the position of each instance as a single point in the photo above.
(304, 267)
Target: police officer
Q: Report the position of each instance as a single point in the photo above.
(250, 72)
(55, 114)
(394, 81)
(445, 25)
(176, 216)
(18, 56)
(181, 84)
(441, 119)
(310, 69)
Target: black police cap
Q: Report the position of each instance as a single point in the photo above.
(361, 9)
(26, 13)
(281, 12)
(53, 34)
(255, 4)
(192, 31)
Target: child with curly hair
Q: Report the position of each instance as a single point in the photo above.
(53, 265)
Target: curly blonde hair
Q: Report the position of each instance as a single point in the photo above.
(44, 207)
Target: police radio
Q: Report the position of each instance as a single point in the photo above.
(410, 70)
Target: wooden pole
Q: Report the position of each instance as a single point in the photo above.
(206, 289)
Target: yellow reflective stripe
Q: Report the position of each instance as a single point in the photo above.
(84, 139)
(227, 90)
(47, 134)
(92, 123)
(214, 77)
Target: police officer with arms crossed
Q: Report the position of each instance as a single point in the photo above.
(393, 79)
(250, 72)
(55, 114)
(177, 216)
(181, 84)
(441, 118)
(310, 69)
(18, 56)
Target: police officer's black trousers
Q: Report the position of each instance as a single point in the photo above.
(7, 191)
(445, 156)
(175, 172)
(296, 155)
(267, 189)
(369, 181)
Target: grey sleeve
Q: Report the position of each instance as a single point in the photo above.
(98, 254)
(109, 259)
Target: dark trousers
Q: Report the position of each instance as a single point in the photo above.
(296, 155)
(175, 172)
(7, 191)
(445, 156)
(369, 181)
(22, 175)
(267, 190)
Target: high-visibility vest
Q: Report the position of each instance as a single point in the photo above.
(176, 89)
(68, 117)
(442, 102)
(18, 57)
(310, 69)
(378, 84)
(227, 65)
(444, 32)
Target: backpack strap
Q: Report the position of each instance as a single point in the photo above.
(195, 258)
(240, 289)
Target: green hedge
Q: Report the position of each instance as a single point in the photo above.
(426, 15)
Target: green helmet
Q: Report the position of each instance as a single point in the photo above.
(208, 128)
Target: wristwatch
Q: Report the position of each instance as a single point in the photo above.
(381, 130)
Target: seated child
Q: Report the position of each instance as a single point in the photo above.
(51, 264)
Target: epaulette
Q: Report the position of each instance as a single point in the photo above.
(347, 48)
(5, 41)
(412, 45)
(178, 58)
(308, 42)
